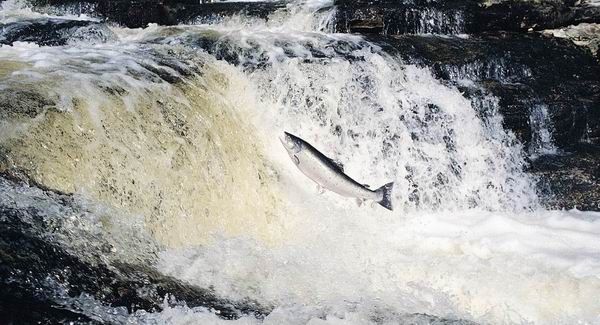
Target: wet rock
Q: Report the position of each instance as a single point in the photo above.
(53, 32)
(584, 34)
(533, 15)
(194, 12)
(461, 16)
(140, 13)
(570, 179)
(38, 272)
(20, 103)
(522, 70)
(403, 17)
(529, 74)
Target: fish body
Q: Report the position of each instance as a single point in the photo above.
(330, 174)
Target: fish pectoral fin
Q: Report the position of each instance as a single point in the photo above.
(296, 160)
(320, 189)
(360, 202)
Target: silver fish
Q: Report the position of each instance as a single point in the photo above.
(330, 174)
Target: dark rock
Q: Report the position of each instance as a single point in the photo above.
(17, 102)
(461, 16)
(193, 12)
(570, 180)
(403, 17)
(532, 15)
(33, 267)
(53, 32)
(140, 13)
(584, 34)
(251, 56)
(522, 70)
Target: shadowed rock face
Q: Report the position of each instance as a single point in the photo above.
(140, 13)
(521, 70)
(534, 15)
(461, 16)
(572, 179)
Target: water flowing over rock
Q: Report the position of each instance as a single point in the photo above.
(136, 14)
(504, 57)
(54, 32)
(521, 70)
(463, 16)
(142, 179)
(45, 275)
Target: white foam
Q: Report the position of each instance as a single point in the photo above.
(488, 267)
(467, 238)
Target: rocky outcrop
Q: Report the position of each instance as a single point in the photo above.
(570, 179)
(522, 70)
(584, 34)
(390, 17)
(140, 13)
(545, 82)
(461, 16)
(533, 15)
(529, 74)
(53, 32)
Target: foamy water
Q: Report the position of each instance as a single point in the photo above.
(200, 162)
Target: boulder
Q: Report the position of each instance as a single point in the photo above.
(54, 31)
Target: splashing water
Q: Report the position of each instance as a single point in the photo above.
(180, 125)
(541, 139)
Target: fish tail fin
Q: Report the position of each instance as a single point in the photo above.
(386, 191)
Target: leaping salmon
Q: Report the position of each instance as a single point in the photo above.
(330, 174)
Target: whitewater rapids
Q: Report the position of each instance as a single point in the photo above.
(178, 127)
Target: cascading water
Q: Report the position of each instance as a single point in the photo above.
(541, 142)
(178, 127)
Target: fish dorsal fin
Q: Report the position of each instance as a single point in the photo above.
(338, 164)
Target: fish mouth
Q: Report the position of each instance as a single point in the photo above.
(289, 143)
(282, 140)
(285, 140)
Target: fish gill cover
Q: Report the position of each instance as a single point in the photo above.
(143, 180)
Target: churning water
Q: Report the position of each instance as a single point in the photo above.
(173, 132)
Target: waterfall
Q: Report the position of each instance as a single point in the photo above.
(541, 139)
(159, 147)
